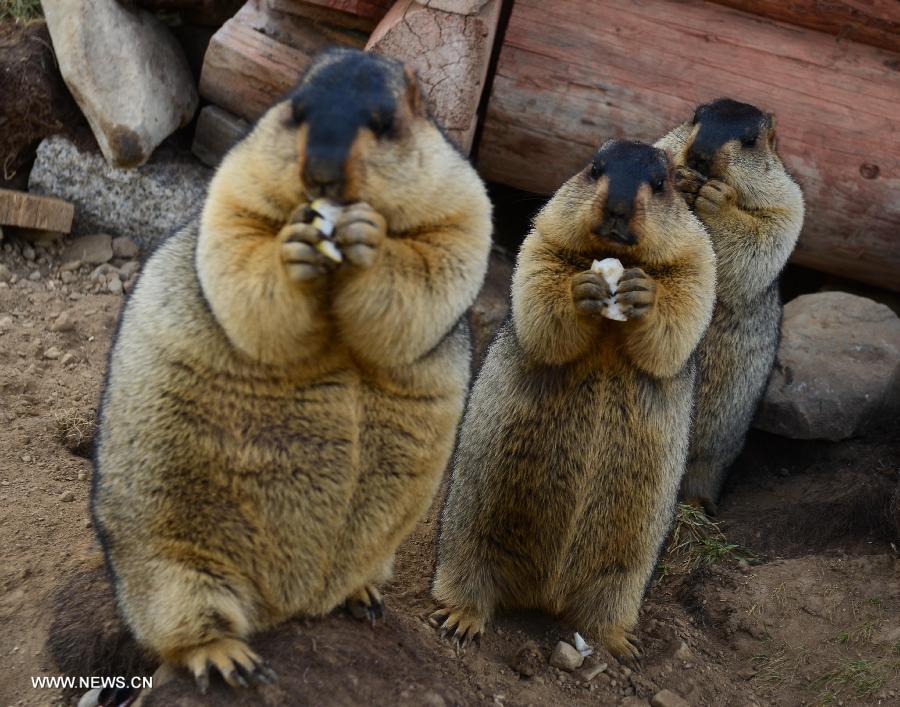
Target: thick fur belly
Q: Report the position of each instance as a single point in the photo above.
(557, 475)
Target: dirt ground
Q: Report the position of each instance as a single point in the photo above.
(793, 599)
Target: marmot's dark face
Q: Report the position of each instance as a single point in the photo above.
(353, 111)
(731, 140)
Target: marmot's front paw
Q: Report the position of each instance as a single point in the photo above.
(623, 644)
(233, 659)
(636, 294)
(689, 182)
(463, 626)
(714, 198)
(302, 260)
(590, 293)
(359, 232)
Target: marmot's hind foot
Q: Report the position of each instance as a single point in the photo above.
(366, 604)
(623, 645)
(703, 503)
(238, 665)
(463, 626)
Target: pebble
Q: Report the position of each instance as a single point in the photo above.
(63, 323)
(67, 496)
(6, 321)
(52, 353)
(94, 249)
(82, 476)
(667, 698)
(128, 269)
(70, 266)
(590, 669)
(67, 358)
(26, 458)
(35, 276)
(115, 286)
(566, 657)
(28, 252)
(528, 660)
(67, 277)
(5, 273)
(684, 653)
(124, 247)
(104, 273)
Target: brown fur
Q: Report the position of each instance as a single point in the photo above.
(271, 430)
(753, 212)
(574, 440)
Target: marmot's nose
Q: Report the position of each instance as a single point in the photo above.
(618, 209)
(323, 177)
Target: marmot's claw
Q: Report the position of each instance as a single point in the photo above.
(366, 604)
(462, 627)
(233, 660)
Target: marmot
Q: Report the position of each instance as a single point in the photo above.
(273, 425)
(574, 439)
(728, 168)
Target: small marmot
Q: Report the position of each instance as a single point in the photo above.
(728, 168)
(575, 435)
(273, 423)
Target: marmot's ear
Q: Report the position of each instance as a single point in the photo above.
(669, 157)
(413, 92)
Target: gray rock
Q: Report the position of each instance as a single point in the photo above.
(35, 276)
(5, 273)
(115, 286)
(837, 367)
(28, 252)
(52, 353)
(67, 496)
(566, 657)
(128, 269)
(93, 249)
(590, 669)
(667, 698)
(127, 73)
(145, 204)
(63, 323)
(124, 247)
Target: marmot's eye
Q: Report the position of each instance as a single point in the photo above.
(748, 141)
(658, 185)
(596, 170)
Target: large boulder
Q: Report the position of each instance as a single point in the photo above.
(145, 204)
(127, 73)
(837, 369)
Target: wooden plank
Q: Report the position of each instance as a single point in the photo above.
(247, 68)
(571, 74)
(450, 52)
(24, 210)
(217, 132)
(351, 14)
(875, 22)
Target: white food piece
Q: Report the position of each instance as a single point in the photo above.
(611, 269)
(580, 645)
(326, 214)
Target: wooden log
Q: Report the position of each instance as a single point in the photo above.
(875, 22)
(24, 210)
(449, 51)
(217, 132)
(351, 14)
(571, 74)
(247, 68)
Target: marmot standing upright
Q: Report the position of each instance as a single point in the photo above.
(729, 169)
(273, 424)
(575, 435)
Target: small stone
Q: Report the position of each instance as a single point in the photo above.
(566, 657)
(5, 273)
(67, 277)
(35, 276)
(67, 496)
(94, 249)
(6, 322)
(667, 698)
(28, 252)
(63, 323)
(26, 458)
(67, 358)
(52, 353)
(124, 247)
(82, 476)
(590, 669)
(528, 660)
(104, 273)
(115, 286)
(684, 653)
(128, 269)
(70, 266)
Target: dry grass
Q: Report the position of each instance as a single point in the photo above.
(76, 430)
(20, 10)
(697, 541)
